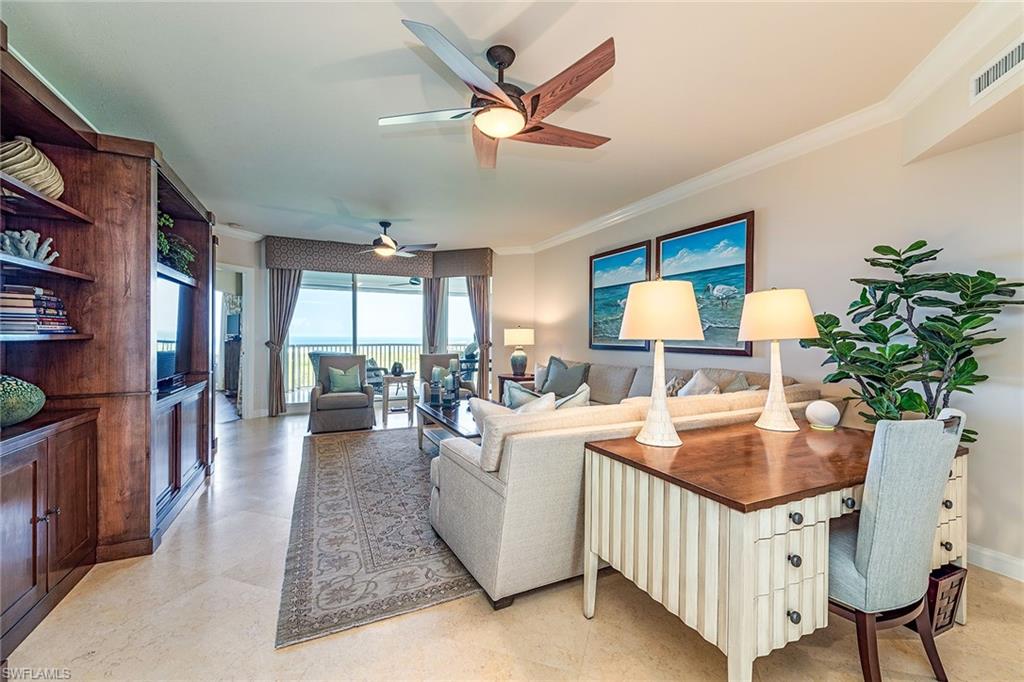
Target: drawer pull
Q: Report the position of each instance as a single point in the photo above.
(951, 473)
(55, 511)
(948, 546)
(849, 502)
(794, 617)
(795, 560)
(948, 504)
(796, 517)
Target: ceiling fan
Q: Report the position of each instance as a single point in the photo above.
(384, 245)
(503, 110)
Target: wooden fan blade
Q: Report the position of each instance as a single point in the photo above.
(430, 116)
(471, 75)
(545, 133)
(548, 97)
(412, 248)
(486, 149)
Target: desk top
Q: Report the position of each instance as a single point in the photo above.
(747, 468)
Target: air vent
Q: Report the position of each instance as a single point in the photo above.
(1010, 60)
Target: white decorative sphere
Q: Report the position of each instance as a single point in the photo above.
(822, 415)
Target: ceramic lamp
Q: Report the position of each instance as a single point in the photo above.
(518, 337)
(777, 315)
(655, 311)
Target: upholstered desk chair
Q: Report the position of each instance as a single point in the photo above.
(429, 361)
(879, 560)
(340, 411)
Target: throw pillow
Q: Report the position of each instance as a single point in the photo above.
(672, 387)
(737, 384)
(700, 384)
(563, 380)
(517, 395)
(345, 380)
(581, 398)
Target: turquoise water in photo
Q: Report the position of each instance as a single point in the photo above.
(720, 306)
(609, 302)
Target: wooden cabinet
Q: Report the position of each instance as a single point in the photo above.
(178, 450)
(48, 516)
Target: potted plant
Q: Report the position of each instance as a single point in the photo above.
(172, 249)
(915, 334)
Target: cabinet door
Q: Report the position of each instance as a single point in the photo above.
(71, 500)
(164, 455)
(22, 531)
(191, 412)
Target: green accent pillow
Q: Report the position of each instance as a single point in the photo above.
(563, 380)
(345, 380)
(19, 400)
(517, 395)
(737, 384)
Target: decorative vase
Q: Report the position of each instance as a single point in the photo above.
(822, 415)
(518, 361)
(19, 400)
(397, 369)
(20, 159)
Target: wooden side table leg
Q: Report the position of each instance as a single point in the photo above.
(384, 404)
(419, 430)
(740, 586)
(409, 402)
(589, 556)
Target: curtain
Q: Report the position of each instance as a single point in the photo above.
(433, 293)
(479, 287)
(284, 293)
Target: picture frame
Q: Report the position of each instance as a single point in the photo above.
(611, 273)
(718, 258)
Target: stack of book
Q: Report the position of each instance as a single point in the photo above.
(32, 310)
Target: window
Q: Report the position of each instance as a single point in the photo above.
(389, 320)
(322, 321)
(460, 330)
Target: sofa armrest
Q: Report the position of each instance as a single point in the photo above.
(314, 396)
(465, 454)
(368, 390)
(468, 385)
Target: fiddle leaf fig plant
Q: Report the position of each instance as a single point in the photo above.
(915, 334)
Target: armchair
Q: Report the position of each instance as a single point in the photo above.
(340, 411)
(430, 360)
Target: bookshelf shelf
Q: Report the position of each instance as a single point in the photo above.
(8, 338)
(8, 262)
(168, 272)
(30, 203)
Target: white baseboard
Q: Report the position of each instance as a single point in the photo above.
(995, 561)
(260, 413)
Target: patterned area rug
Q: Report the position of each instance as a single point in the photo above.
(361, 546)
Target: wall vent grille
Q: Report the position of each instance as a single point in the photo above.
(996, 70)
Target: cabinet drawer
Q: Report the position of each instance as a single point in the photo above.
(950, 542)
(791, 557)
(958, 468)
(805, 601)
(795, 515)
(849, 500)
(954, 500)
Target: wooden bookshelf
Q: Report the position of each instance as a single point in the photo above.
(23, 267)
(168, 272)
(28, 202)
(14, 338)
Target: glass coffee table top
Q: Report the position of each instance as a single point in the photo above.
(456, 421)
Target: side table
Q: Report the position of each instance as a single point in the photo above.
(390, 380)
(502, 378)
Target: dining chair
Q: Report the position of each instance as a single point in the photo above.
(879, 559)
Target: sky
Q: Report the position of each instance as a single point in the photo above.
(714, 248)
(621, 268)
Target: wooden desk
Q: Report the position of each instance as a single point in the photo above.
(710, 529)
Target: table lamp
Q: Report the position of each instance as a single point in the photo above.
(777, 315)
(518, 337)
(655, 311)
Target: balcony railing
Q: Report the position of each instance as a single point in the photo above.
(298, 369)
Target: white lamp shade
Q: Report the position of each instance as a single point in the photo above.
(519, 336)
(777, 314)
(662, 309)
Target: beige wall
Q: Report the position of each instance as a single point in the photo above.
(512, 304)
(817, 217)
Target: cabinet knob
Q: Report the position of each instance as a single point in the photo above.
(951, 473)
(948, 546)
(794, 617)
(55, 511)
(795, 560)
(849, 502)
(948, 504)
(796, 517)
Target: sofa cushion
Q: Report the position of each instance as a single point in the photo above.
(581, 398)
(609, 384)
(700, 384)
(685, 406)
(738, 384)
(342, 401)
(641, 385)
(563, 380)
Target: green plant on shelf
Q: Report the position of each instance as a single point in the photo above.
(171, 249)
(916, 334)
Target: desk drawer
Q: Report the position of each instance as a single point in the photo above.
(954, 500)
(805, 602)
(791, 557)
(950, 542)
(795, 515)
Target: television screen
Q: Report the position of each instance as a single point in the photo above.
(171, 316)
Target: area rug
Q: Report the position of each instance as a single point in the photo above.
(361, 546)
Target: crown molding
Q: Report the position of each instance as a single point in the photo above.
(980, 25)
(237, 233)
(512, 250)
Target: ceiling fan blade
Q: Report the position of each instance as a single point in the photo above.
(430, 116)
(366, 251)
(545, 133)
(549, 96)
(486, 149)
(459, 63)
(412, 248)
(403, 254)
(386, 240)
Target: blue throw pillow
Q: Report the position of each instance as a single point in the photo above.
(345, 380)
(563, 380)
(517, 395)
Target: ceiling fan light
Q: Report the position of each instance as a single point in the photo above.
(384, 251)
(498, 122)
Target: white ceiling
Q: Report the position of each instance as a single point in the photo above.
(268, 111)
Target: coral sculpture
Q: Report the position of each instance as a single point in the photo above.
(25, 244)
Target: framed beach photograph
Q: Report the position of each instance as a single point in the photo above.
(611, 273)
(718, 258)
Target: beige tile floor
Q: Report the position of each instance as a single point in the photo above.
(205, 607)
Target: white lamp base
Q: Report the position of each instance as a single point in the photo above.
(776, 415)
(658, 430)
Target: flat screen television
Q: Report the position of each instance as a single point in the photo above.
(172, 317)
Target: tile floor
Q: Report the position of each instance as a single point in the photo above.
(205, 607)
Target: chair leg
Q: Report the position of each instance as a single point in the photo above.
(867, 644)
(924, 628)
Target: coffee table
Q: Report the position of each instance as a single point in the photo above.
(452, 422)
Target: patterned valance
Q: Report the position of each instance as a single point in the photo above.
(327, 256)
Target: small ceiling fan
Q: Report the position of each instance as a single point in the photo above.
(385, 246)
(503, 110)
